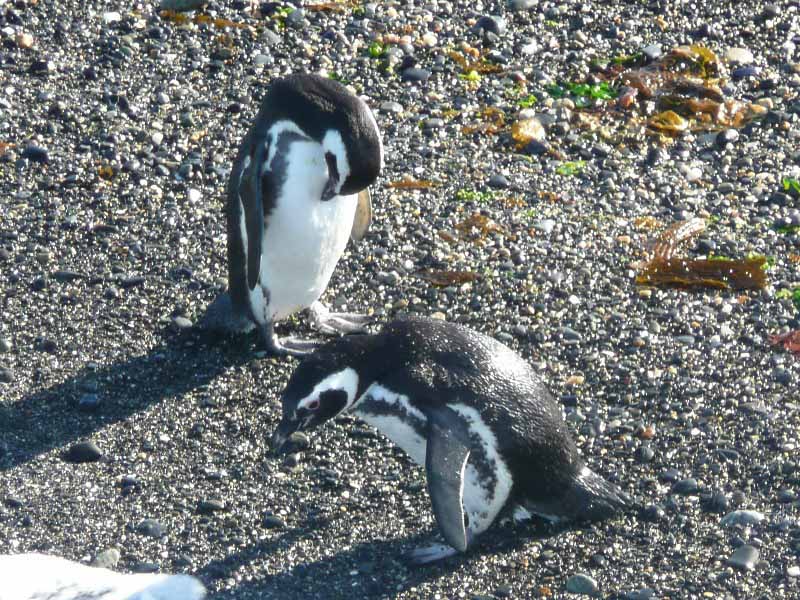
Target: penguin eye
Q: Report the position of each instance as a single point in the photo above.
(313, 405)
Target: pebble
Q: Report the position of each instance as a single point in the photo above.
(36, 154)
(582, 584)
(182, 323)
(5, 344)
(182, 5)
(274, 522)
(151, 528)
(742, 517)
(89, 402)
(741, 56)
(24, 40)
(6, 375)
(498, 181)
(415, 75)
(490, 24)
(107, 559)
(546, 225)
(793, 571)
(520, 5)
(83, 452)
(652, 52)
(744, 558)
(685, 487)
(145, 567)
(208, 507)
(390, 107)
(726, 137)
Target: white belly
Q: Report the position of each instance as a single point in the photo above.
(305, 236)
(481, 503)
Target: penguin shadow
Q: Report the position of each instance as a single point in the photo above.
(375, 569)
(96, 397)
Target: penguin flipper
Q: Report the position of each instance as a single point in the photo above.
(250, 194)
(363, 217)
(446, 458)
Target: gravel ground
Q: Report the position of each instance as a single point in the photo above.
(117, 130)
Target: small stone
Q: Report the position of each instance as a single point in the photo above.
(111, 17)
(644, 454)
(652, 52)
(742, 517)
(726, 137)
(145, 567)
(685, 487)
(83, 452)
(24, 40)
(274, 522)
(545, 225)
(582, 584)
(182, 323)
(744, 558)
(741, 56)
(107, 559)
(297, 441)
(793, 571)
(36, 154)
(131, 282)
(151, 528)
(391, 107)
(686, 340)
(89, 402)
(498, 181)
(520, 5)
(6, 375)
(5, 344)
(208, 507)
(182, 5)
(67, 276)
(415, 75)
(490, 24)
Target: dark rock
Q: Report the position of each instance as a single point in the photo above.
(83, 452)
(207, 507)
(151, 528)
(415, 75)
(274, 522)
(36, 154)
(744, 558)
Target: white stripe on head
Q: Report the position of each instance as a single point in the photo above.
(345, 380)
(333, 143)
(372, 120)
(274, 134)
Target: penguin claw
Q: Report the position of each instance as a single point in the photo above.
(332, 323)
(425, 555)
(296, 347)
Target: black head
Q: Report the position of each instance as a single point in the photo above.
(324, 385)
(328, 112)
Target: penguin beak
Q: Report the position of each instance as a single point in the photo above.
(286, 427)
(329, 191)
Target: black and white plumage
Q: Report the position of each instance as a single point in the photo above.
(44, 577)
(297, 191)
(491, 436)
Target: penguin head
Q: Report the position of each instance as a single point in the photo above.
(325, 384)
(339, 120)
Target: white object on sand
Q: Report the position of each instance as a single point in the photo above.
(39, 576)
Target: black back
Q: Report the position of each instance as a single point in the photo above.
(434, 363)
(316, 104)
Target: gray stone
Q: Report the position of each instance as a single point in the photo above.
(582, 584)
(107, 559)
(744, 558)
(742, 517)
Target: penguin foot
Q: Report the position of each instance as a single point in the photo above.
(425, 555)
(332, 323)
(295, 346)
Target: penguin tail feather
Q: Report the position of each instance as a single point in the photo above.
(592, 498)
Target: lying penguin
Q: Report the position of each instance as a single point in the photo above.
(297, 191)
(43, 577)
(491, 436)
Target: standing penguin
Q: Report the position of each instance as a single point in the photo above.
(297, 192)
(490, 434)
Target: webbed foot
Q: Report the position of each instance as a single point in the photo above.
(425, 555)
(332, 323)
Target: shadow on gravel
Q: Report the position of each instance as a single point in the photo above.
(369, 570)
(97, 397)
